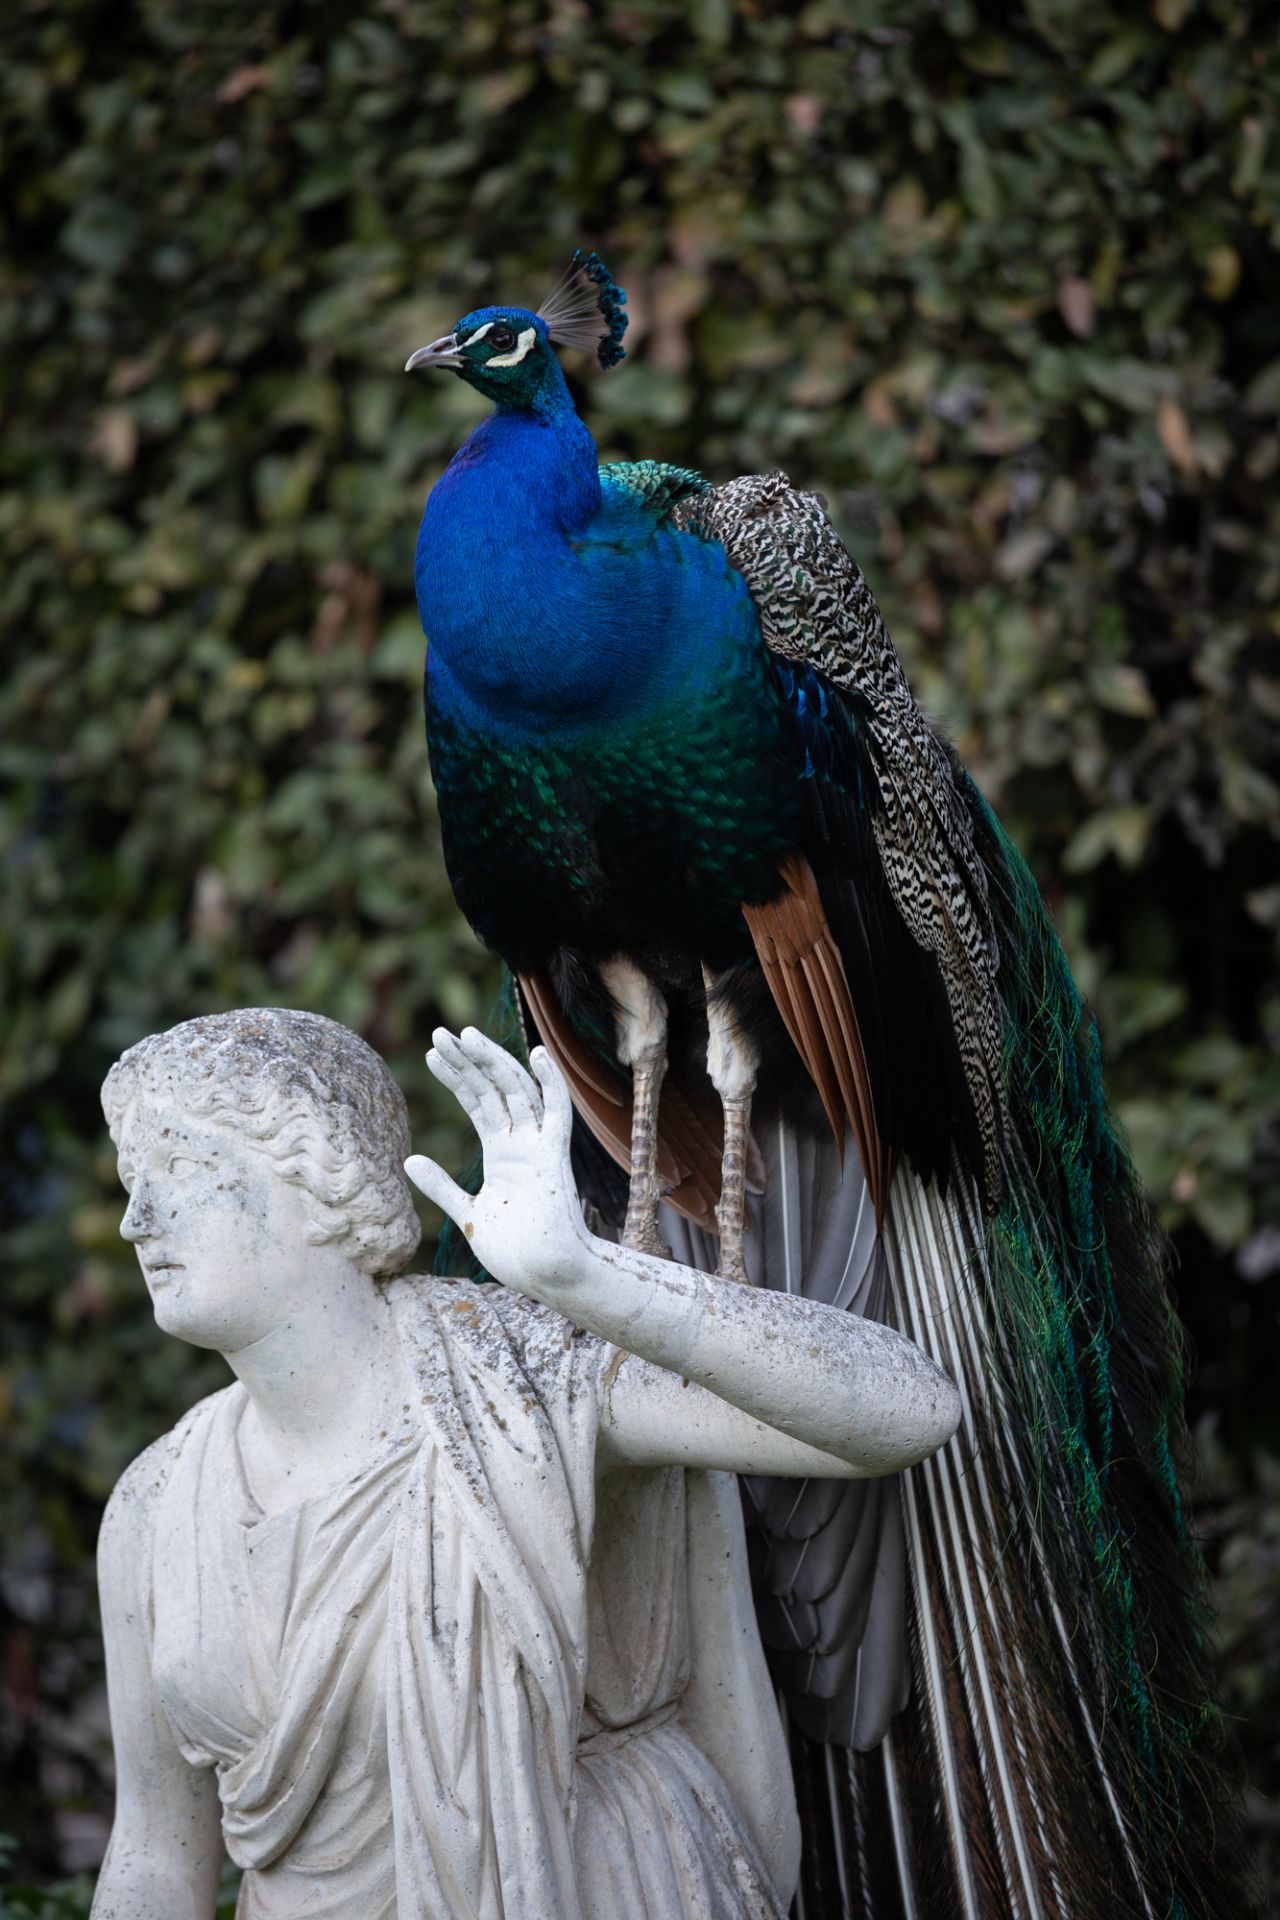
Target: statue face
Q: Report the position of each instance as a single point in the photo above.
(221, 1238)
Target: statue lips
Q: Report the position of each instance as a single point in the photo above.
(158, 1272)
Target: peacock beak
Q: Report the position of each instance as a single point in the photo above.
(444, 352)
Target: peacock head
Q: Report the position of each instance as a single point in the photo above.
(508, 353)
(505, 353)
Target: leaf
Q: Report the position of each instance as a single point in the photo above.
(1223, 1208)
(1122, 831)
(1263, 905)
(69, 1002)
(1262, 395)
(1022, 553)
(283, 486)
(978, 181)
(1250, 793)
(115, 439)
(690, 92)
(1114, 60)
(1078, 305)
(1222, 270)
(1175, 436)
(1131, 383)
(244, 81)
(1253, 148)
(1121, 689)
(1215, 1057)
(398, 653)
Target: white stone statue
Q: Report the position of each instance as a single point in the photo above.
(441, 1609)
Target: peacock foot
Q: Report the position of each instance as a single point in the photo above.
(640, 1229)
(733, 1266)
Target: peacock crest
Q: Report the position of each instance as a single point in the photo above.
(584, 296)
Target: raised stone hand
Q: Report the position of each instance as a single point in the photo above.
(525, 1226)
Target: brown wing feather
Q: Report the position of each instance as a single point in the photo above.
(806, 977)
(690, 1130)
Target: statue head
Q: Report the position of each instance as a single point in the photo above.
(249, 1142)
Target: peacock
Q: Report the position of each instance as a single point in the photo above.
(821, 1035)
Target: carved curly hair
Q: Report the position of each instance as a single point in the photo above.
(307, 1093)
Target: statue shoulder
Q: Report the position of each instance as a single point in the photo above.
(129, 1519)
(488, 1318)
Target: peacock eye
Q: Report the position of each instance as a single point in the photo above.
(502, 339)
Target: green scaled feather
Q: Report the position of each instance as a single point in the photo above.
(661, 487)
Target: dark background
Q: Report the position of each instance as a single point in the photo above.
(1002, 280)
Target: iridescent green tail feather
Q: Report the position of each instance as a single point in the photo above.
(1092, 1363)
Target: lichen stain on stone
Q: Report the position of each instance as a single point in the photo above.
(611, 1371)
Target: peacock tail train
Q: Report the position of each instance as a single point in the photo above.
(1060, 1753)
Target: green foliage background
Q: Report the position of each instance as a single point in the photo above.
(1002, 279)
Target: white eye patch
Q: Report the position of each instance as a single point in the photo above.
(517, 353)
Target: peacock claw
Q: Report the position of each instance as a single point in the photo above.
(733, 1267)
(644, 1237)
(729, 1219)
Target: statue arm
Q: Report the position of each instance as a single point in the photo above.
(165, 1854)
(779, 1385)
(656, 1417)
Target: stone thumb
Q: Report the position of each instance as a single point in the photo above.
(432, 1180)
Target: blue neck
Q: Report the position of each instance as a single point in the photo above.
(528, 470)
(495, 542)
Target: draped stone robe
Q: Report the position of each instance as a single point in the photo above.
(447, 1687)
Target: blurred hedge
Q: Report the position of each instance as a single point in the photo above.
(1003, 280)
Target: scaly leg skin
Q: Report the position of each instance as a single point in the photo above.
(733, 1064)
(642, 1046)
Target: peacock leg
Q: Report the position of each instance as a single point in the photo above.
(642, 1046)
(733, 1063)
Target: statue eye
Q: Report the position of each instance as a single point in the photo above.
(182, 1166)
(501, 338)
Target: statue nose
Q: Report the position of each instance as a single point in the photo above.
(139, 1221)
